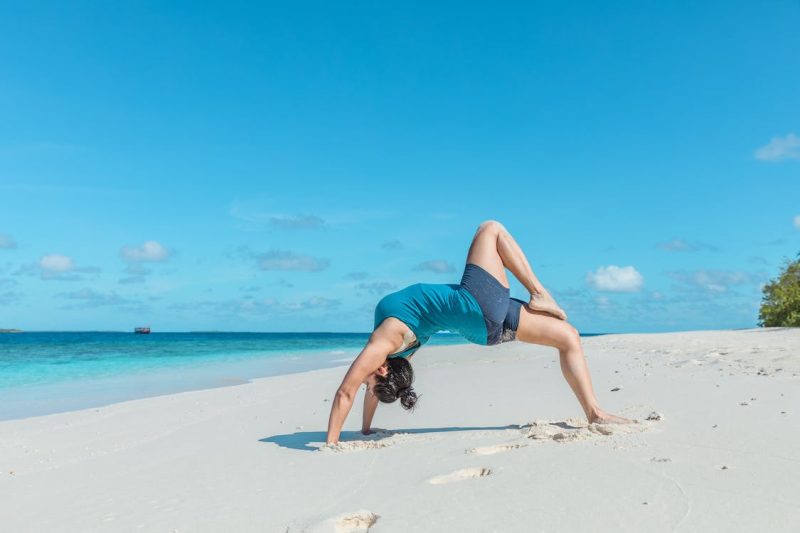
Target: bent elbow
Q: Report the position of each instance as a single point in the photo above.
(343, 395)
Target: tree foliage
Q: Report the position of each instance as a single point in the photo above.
(780, 305)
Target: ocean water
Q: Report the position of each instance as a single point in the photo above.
(49, 372)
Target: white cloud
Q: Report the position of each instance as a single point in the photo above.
(780, 148)
(615, 279)
(440, 266)
(56, 263)
(6, 241)
(150, 251)
(797, 222)
(57, 267)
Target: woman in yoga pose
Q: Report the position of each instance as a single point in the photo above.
(480, 309)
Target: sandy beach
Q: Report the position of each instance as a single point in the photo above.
(496, 444)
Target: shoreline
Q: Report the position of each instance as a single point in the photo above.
(211, 383)
(41, 376)
(152, 382)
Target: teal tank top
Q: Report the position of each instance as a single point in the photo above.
(430, 307)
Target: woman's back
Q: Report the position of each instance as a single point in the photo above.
(430, 307)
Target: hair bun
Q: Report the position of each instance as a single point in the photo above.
(408, 398)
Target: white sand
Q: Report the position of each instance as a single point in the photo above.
(496, 444)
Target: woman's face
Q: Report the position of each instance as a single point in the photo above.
(382, 371)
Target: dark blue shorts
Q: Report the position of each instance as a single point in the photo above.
(500, 312)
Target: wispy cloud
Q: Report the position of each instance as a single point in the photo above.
(394, 244)
(260, 306)
(7, 242)
(376, 287)
(713, 281)
(92, 298)
(679, 245)
(615, 279)
(356, 276)
(256, 217)
(296, 222)
(8, 282)
(9, 297)
(137, 278)
(439, 266)
(87, 298)
(289, 261)
(780, 148)
(260, 220)
(796, 221)
(311, 304)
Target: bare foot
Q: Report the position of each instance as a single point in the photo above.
(542, 301)
(601, 417)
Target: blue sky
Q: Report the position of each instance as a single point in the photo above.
(280, 167)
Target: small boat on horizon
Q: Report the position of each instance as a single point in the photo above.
(142, 331)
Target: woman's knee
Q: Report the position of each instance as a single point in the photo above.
(571, 337)
(490, 225)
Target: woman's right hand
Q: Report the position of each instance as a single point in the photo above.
(368, 361)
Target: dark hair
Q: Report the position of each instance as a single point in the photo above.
(396, 384)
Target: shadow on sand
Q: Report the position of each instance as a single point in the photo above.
(302, 440)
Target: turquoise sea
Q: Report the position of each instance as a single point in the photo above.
(49, 372)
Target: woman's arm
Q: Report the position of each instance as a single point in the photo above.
(370, 405)
(368, 361)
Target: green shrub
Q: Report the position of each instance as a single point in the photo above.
(780, 306)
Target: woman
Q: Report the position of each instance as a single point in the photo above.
(479, 308)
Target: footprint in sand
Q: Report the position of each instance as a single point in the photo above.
(573, 430)
(497, 448)
(460, 475)
(356, 522)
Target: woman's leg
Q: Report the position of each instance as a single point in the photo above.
(494, 249)
(538, 327)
